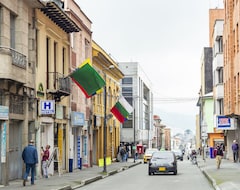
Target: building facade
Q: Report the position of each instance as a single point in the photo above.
(137, 90)
(102, 104)
(18, 103)
(231, 78)
(53, 86)
(80, 135)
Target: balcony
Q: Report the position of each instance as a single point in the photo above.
(218, 29)
(58, 85)
(219, 91)
(218, 61)
(13, 65)
(54, 10)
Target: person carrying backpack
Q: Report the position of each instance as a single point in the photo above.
(122, 153)
(219, 155)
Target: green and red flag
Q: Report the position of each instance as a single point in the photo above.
(122, 109)
(87, 79)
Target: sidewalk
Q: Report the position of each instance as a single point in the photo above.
(225, 178)
(73, 180)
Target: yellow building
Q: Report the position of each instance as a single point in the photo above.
(111, 73)
(52, 83)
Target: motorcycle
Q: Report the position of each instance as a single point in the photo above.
(194, 159)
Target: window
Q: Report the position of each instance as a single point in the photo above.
(220, 75)
(1, 18)
(127, 80)
(87, 48)
(220, 106)
(146, 117)
(127, 124)
(64, 61)
(127, 92)
(12, 30)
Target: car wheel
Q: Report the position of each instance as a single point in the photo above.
(149, 172)
(175, 172)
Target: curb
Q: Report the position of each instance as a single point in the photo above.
(67, 187)
(209, 178)
(96, 178)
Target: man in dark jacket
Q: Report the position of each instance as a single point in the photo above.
(235, 149)
(30, 158)
(219, 155)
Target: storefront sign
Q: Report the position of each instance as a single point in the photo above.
(226, 123)
(4, 113)
(47, 107)
(77, 119)
(79, 153)
(4, 142)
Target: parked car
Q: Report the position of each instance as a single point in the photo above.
(162, 162)
(178, 154)
(148, 154)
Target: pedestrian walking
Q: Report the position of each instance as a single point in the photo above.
(235, 149)
(45, 157)
(123, 153)
(126, 153)
(30, 158)
(219, 155)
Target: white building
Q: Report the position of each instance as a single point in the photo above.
(137, 90)
(218, 91)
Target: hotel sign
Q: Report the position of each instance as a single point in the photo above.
(225, 123)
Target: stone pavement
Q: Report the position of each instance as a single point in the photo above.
(225, 178)
(73, 180)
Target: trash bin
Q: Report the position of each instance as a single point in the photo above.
(70, 165)
(211, 152)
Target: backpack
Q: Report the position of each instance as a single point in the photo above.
(219, 151)
(122, 152)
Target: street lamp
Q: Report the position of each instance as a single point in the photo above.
(105, 120)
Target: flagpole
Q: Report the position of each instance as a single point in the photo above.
(105, 120)
(105, 128)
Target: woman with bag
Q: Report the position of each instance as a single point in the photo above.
(45, 157)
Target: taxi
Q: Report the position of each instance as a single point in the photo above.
(148, 154)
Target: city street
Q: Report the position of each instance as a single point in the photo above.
(189, 177)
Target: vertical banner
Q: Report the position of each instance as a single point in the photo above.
(85, 158)
(4, 142)
(79, 152)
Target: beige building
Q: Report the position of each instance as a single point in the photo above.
(52, 84)
(109, 70)
(18, 105)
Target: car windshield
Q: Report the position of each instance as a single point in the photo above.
(163, 155)
(150, 151)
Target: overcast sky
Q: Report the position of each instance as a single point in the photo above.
(166, 38)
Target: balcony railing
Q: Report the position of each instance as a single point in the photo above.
(18, 58)
(58, 84)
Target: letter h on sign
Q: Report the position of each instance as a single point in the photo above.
(47, 106)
